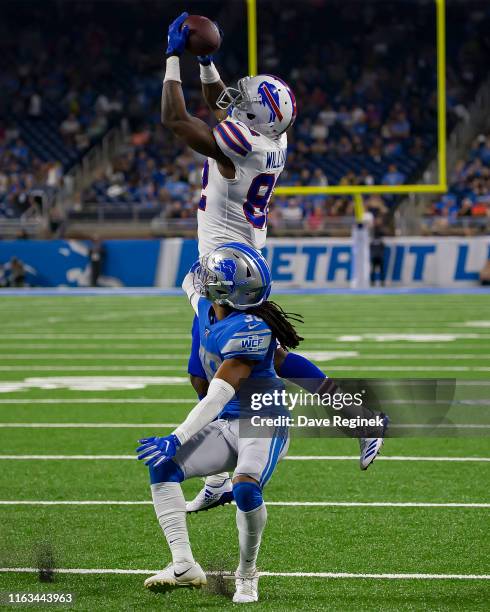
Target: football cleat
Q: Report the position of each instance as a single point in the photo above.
(211, 497)
(246, 588)
(370, 447)
(173, 577)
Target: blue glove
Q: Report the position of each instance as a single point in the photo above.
(205, 60)
(177, 36)
(157, 450)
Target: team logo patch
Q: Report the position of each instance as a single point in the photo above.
(227, 267)
(252, 343)
(270, 98)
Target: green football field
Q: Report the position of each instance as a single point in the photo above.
(81, 378)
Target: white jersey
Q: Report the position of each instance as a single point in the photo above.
(235, 210)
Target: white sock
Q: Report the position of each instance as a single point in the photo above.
(217, 480)
(250, 527)
(169, 504)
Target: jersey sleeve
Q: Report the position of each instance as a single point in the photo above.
(233, 140)
(250, 340)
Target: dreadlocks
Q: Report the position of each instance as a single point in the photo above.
(279, 322)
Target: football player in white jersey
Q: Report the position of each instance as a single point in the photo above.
(246, 153)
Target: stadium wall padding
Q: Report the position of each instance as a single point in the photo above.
(304, 263)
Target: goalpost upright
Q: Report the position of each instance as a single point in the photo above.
(358, 191)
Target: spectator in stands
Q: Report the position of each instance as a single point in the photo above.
(393, 176)
(69, 129)
(366, 178)
(292, 214)
(467, 204)
(35, 109)
(317, 218)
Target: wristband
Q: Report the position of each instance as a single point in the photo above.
(209, 74)
(172, 72)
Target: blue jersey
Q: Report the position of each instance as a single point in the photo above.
(237, 335)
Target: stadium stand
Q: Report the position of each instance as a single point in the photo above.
(367, 111)
(467, 204)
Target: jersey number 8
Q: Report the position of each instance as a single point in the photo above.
(256, 206)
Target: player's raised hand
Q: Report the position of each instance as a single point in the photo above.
(205, 60)
(177, 36)
(157, 450)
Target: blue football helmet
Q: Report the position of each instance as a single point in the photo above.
(235, 275)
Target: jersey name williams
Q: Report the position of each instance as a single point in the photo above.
(276, 159)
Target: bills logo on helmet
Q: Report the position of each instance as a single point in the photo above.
(270, 98)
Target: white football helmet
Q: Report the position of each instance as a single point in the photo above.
(264, 102)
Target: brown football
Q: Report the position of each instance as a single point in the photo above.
(204, 37)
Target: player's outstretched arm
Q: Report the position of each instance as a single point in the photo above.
(221, 390)
(195, 133)
(155, 450)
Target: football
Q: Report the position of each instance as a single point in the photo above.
(204, 37)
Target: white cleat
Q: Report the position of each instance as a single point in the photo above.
(173, 577)
(370, 447)
(247, 588)
(211, 497)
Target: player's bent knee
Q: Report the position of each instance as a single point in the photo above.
(247, 494)
(166, 472)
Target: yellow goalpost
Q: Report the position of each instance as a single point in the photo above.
(359, 190)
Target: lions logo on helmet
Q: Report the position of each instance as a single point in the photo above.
(265, 103)
(233, 274)
(228, 268)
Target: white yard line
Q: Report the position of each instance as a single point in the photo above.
(288, 458)
(148, 335)
(319, 504)
(93, 368)
(383, 458)
(103, 356)
(46, 425)
(86, 425)
(330, 356)
(435, 368)
(321, 355)
(34, 570)
(57, 345)
(156, 367)
(95, 336)
(326, 504)
(98, 400)
(147, 400)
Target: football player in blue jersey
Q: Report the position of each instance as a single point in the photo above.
(239, 329)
